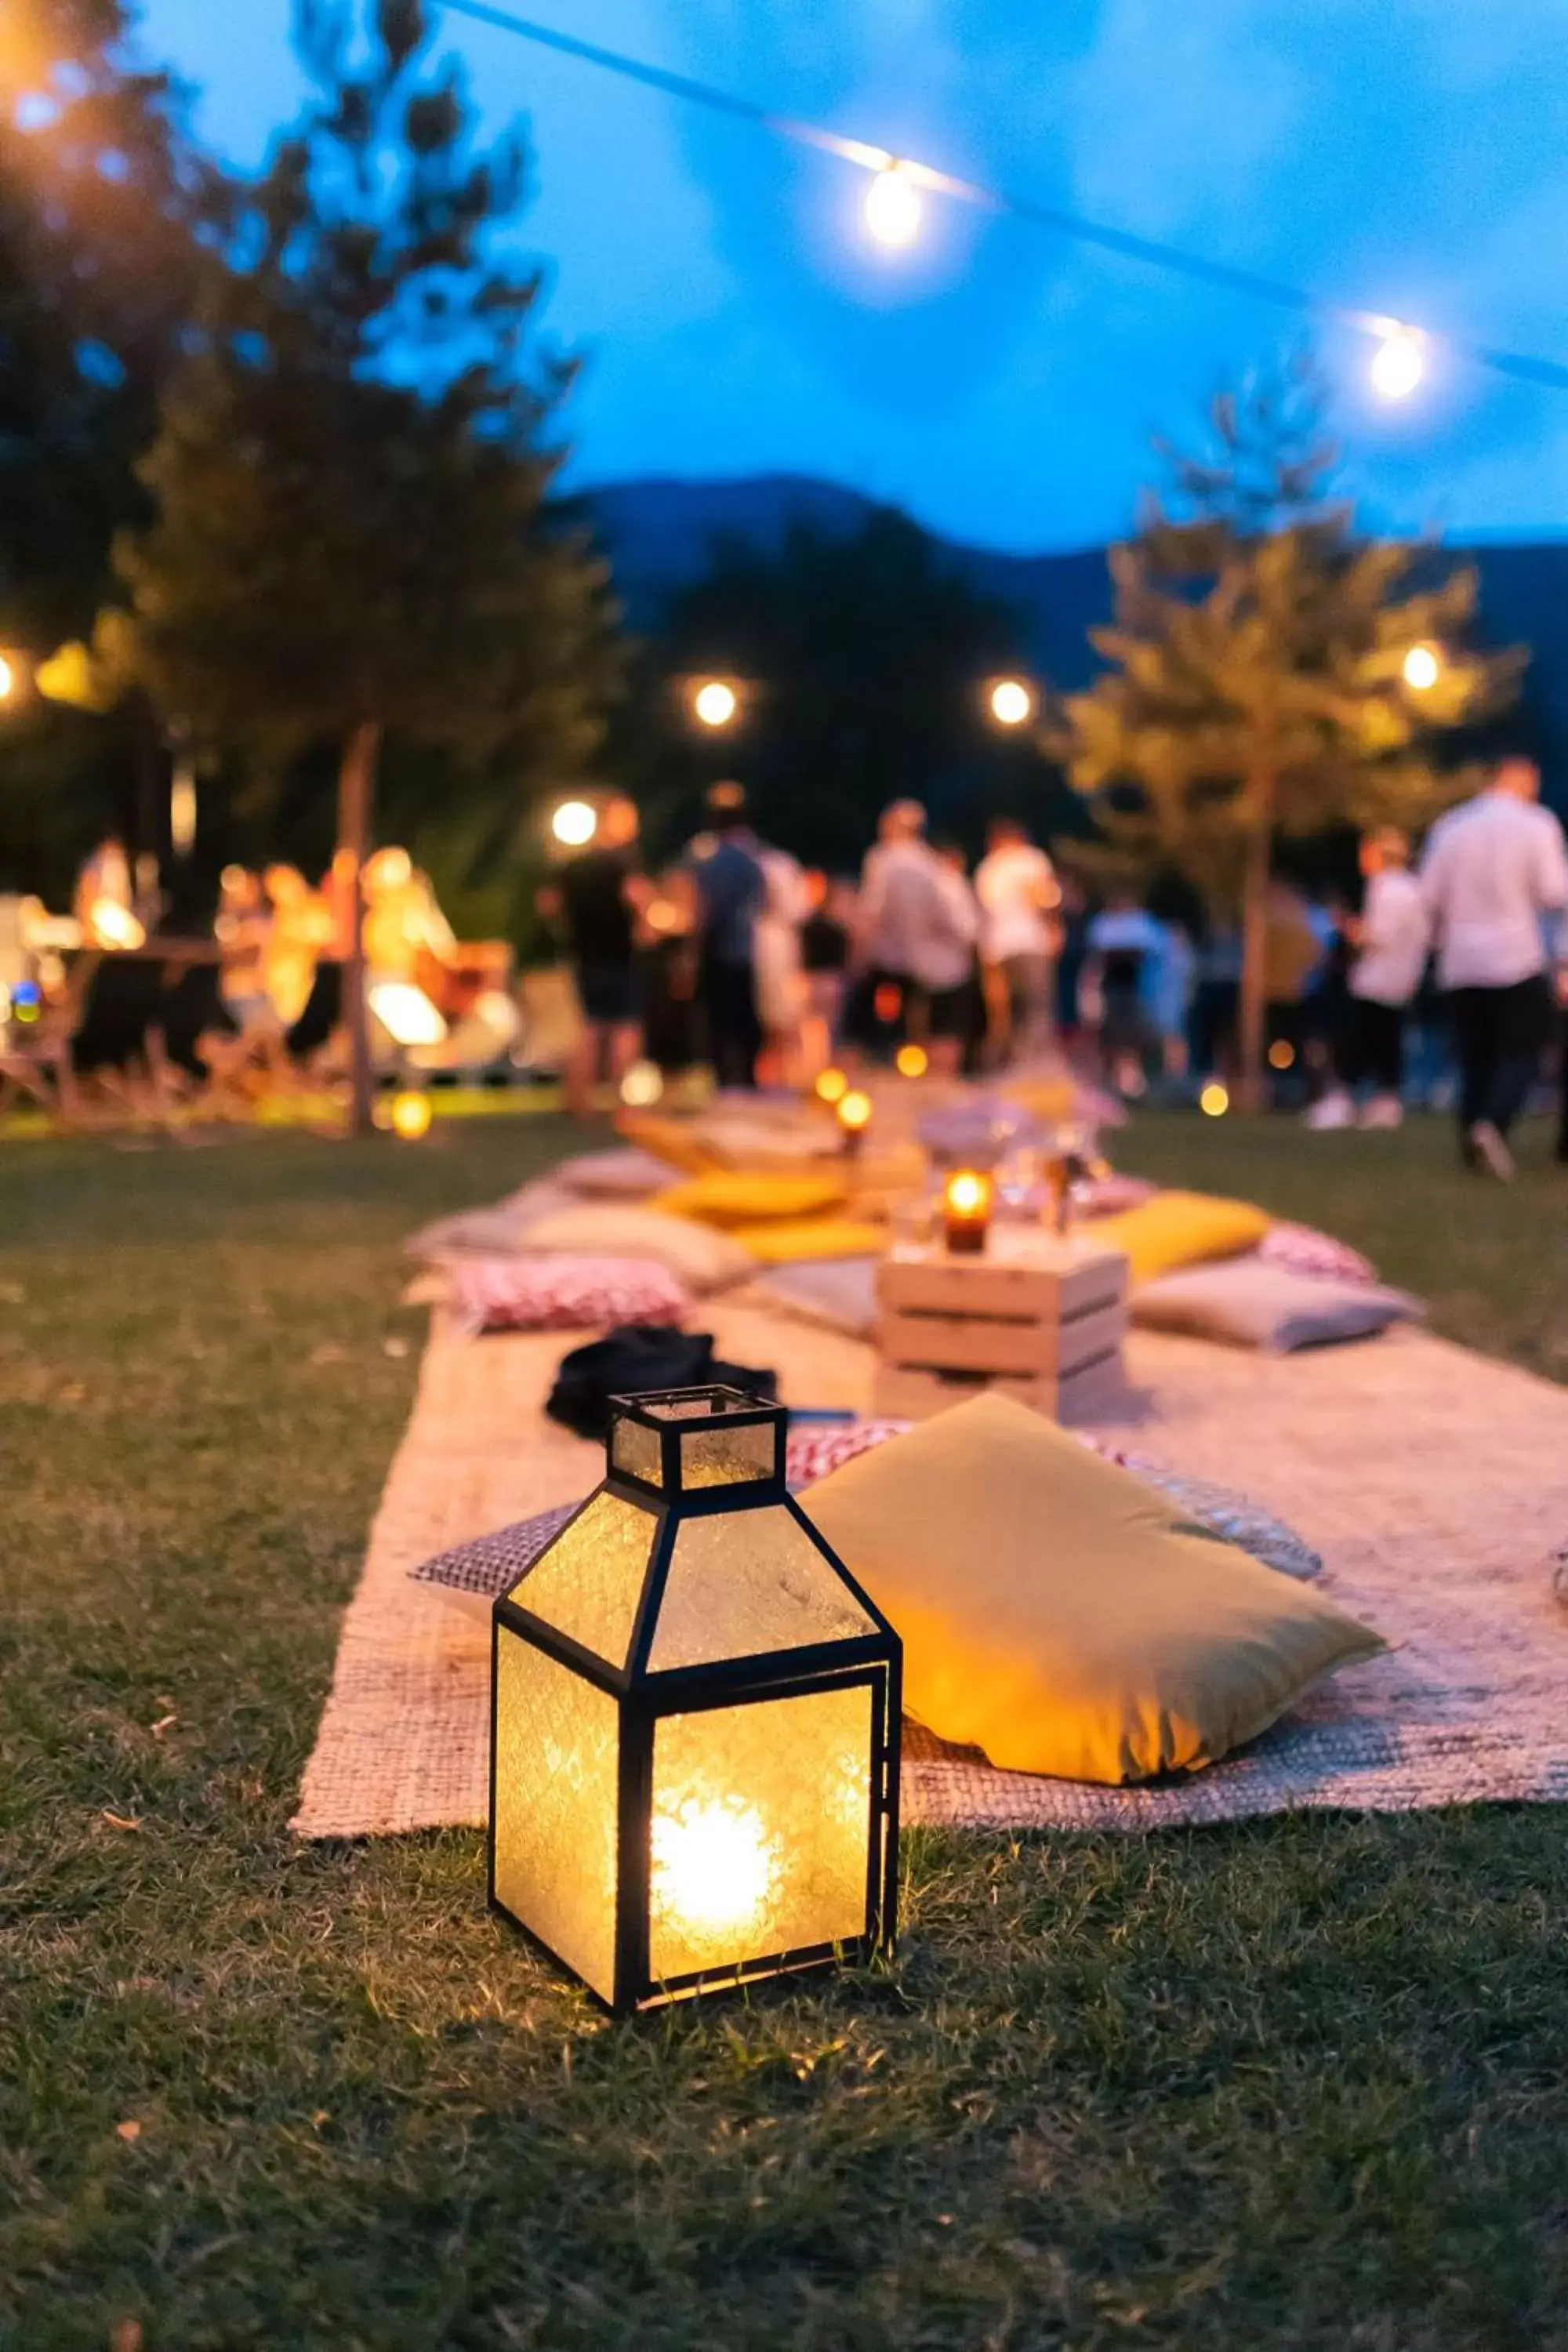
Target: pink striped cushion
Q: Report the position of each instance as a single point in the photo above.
(561, 1292)
(1302, 1249)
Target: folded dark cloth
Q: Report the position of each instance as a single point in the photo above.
(633, 1358)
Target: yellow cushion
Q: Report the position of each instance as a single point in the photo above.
(1061, 1615)
(1176, 1228)
(673, 1140)
(781, 1241)
(738, 1197)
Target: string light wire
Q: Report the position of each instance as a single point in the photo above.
(1129, 247)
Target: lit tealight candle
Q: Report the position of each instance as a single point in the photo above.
(832, 1085)
(854, 1118)
(966, 1200)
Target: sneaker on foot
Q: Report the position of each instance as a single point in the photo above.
(1383, 1110)
(1491, 1151)
(1331, 1110)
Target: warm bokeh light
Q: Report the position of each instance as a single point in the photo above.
(114, 926)
(911, 1061)
(1421, 668)
(1398, 364)
(1214, 1100)
(574, 824)
(1281, 1054)
(855, 1112)
(832, 1085)
(715, 702)
(642, 1086)
(411, 1117)
(406, 1014)
(713, 1868)
(967, 1195)
(1010, 702)
(183, 812)
(7, 678)
(893, 207)
(887, 1002)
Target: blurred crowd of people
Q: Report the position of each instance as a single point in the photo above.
(1437, 987)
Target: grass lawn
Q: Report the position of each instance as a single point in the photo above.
(1296, 2083)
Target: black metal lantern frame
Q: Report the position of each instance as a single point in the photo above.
(650, 1430)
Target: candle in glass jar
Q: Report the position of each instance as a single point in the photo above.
(966, 1200)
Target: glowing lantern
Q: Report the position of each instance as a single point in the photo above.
(694, 1761)
(832, 1085)
(853, 1112)
(411, 1115)
(966, 1200)
(911, 1061)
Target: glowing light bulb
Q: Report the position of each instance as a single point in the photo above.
(911, 1061)
(715, 703)
(1398, 364)
(893, 207)
(642, 1086)
(1421, 668)
(832, 1085)
(714, 1866)
(411, 1117)
(1214, 1100)
(574, 824)
(1010, 702)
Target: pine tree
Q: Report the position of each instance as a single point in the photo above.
(354, 537)
(1255, 688)
(99, 194)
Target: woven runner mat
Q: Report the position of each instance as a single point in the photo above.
(1433, 1481)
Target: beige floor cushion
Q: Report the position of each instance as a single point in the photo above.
(1252, 1303)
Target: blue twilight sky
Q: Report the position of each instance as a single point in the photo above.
(1407, 156)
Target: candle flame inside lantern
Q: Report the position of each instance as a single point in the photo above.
(714, 1867)
(966, 1195)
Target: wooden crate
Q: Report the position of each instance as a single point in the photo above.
(1036, 1318)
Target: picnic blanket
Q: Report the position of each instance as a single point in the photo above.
(1433, 1482)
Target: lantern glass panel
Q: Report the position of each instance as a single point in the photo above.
(742, 1586)
(637, 1450)
(760, 1819)
(557, 1755)
(726, 1457)
(588, 1584)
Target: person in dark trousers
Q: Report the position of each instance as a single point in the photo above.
(725, 873)
(1494, 877)
(593, 898)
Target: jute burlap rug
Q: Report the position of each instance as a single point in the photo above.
(1433, 1482)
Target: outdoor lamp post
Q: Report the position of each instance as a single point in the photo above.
(694, 1755)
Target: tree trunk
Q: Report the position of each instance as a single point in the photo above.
(356, 793)
(1253, 1012)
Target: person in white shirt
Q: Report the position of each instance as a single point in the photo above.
(1390, 934)
(1020, 896)
(896, 906)
(1495, 879)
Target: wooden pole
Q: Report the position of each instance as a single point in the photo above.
(356, 792)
